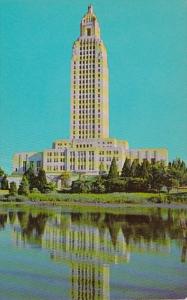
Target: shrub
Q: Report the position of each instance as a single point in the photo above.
(115, 185)
(13, 189)
(136, 185)
(4, 183)
(80, 186)
(41, 181)
(24, 186)
(98, 186)
(113, 172)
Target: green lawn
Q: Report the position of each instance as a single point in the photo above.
(99, 198)
(4, 192)
(113, 198)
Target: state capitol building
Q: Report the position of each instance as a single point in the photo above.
(89, 146)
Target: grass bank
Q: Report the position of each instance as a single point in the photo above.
(109, 198)
(99, 198)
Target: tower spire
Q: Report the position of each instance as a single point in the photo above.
(90, 9)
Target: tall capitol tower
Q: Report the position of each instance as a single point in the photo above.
(90, 149)
(89, 82)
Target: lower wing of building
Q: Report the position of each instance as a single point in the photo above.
(89, 157)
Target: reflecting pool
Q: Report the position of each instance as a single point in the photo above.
(56, 253)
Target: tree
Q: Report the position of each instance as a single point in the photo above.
(41, 181)
(24, 186)
(75, 186)
(135, 168)
(13, 188)
(113, 172)
(144, 169)
(156, 176)
(115, 185)
(1, 172)
(98, 185)
(4, 183)
(126, 170)
(178, 171)
(136, 185)
(170, 182)
(31, 178)
(102, 170)
(50, 187)
(81, 186)
(85, 186)
(65, 179)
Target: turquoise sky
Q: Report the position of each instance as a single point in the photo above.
(147, 45)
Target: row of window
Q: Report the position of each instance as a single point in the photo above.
(86, 72)
(79, 79)
(84, 106)
(87, 107)
(87, 136)
(89, 85)
(88, 47)
(108, 152)
(91, 153)
(55, 153)
(55, 160)
(86, 101)
(84, 146)
(56, 168)
(94, 59)
(88, 93)
(88, 112)
(83, 96)
(87, 52)
(107, 159)
(85, 58)
(86, 126)
(72, 153)
(87, 42)
(83, 77)
(87, 131)
(83, 167)
(84, 87)
(83, 64)
(90, 66)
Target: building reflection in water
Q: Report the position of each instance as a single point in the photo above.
(89, 252)
(90, 243)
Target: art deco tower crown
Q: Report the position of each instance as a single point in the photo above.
(89, 82)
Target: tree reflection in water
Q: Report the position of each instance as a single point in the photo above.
(90, 242)
(3, 220)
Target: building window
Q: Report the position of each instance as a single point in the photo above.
(24, 166)
(88, 31)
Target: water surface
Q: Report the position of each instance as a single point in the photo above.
(139, 253)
